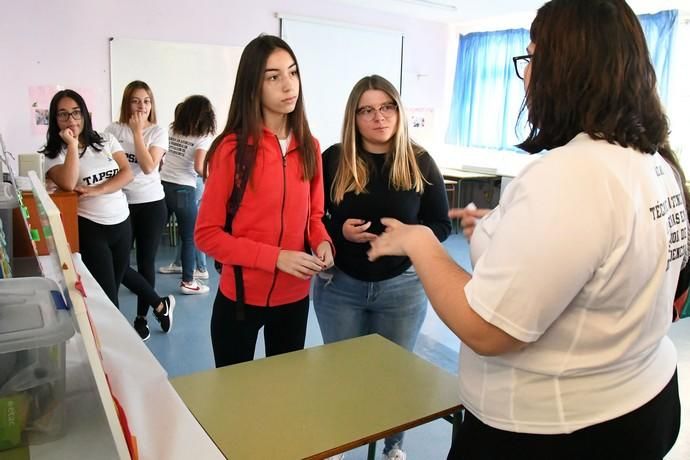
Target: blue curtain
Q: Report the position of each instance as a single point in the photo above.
(487, 94)
(659, 30)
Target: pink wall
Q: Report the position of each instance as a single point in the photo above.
(66, 43)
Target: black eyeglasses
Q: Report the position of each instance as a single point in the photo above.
(521, 63)
(368, 113)
(64, 116)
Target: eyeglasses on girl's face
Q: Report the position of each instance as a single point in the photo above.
(64, 115)
(521, 63)
(368, 113)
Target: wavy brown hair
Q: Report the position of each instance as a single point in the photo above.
(194, 117)
(245, 116)
(591, 72)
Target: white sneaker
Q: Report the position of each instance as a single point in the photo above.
(170, 269)
(199, 275)
(395, 454)
(193, 287)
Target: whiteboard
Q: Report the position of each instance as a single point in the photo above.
(174, 71)
(332, 57)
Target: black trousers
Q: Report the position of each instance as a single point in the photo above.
(105, 252)
(148, 220)
(646, 433)
(234, 340)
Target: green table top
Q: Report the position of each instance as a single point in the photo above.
(317, 402)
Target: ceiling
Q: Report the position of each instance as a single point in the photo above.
(468, 12)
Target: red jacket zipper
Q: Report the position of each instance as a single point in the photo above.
(282, 212)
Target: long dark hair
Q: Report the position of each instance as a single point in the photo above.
(194, 117)
(245, 116)
(591, 73)
(88, 137)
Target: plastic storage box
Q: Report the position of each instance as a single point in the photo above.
(33, 333)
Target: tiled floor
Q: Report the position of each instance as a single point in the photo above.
(187, 349)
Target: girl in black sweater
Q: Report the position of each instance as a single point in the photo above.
(376, 171)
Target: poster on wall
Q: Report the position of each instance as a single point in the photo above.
(39, 105)
(421, 123)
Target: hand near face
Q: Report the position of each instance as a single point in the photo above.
(325, 253)
(299, 264)
(137, 122)
(355, 231)
(68, 136)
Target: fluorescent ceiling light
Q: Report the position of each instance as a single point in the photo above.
(449, 5)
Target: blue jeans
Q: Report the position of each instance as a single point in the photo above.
(199, 256)
(181, 200)
(394, 308)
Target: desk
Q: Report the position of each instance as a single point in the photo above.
(318, 402)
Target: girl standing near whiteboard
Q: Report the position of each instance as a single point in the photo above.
(144, 143)
(278, 222)
(80, 159)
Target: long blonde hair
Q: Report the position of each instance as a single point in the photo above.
(352, 174)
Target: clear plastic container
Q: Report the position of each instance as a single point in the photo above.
(33, 330)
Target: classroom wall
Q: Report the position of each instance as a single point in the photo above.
(66, 42)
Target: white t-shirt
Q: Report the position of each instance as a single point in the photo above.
(96, 167)
(178, 167)
(581, 260)
(145, 188)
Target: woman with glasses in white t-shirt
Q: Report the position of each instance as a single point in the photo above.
(144, 143)
(94, 165)
(564, 319)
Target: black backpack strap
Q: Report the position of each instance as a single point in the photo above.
(239, 186)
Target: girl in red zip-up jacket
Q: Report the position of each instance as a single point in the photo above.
(278, 223)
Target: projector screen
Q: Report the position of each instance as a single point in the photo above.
(174, 71)
(332, 57)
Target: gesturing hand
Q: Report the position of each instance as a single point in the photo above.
(391, 241)
(468, 218)
(355, 230)
(299, 264)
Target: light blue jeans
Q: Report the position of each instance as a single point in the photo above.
(199, 257)
(394, 308)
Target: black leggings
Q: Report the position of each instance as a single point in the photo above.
(647, 433)
(234, 340)
(148, 220)
(105, 252)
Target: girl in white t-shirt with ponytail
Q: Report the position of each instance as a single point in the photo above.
(94, 165)
(144, 143)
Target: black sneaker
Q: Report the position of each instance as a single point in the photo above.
(142, 328)
(165, 316)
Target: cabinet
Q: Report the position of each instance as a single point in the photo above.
(67, 203)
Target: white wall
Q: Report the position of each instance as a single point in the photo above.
(65, 42)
